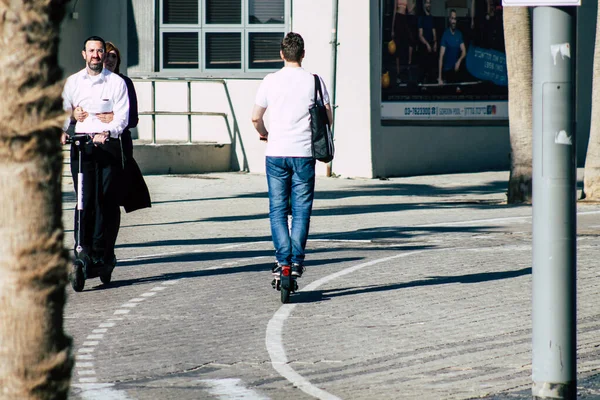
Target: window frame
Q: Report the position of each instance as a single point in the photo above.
(202, 28)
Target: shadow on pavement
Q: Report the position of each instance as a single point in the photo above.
(322, 295)
(262, 267)
(375, 188)
(370, 209)
(376, 234)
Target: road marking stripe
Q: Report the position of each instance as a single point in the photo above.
(107, 325)
(87, 350)
(121, 312)
(84, 365)
(86, 372)
(86, 380)
(91, 390)
(228, 389)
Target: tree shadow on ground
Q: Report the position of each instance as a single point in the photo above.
(261, 267)
(323, 295)
(349, 211)
(384, 233)
(374, 188)
(202, 256)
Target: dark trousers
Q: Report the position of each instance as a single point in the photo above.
(429, 65)
(100, 217)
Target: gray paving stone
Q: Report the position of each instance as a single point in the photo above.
(447, 317)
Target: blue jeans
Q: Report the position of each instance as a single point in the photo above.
(291, 182)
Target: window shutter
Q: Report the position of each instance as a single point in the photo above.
(266, 11)
(180, 11)
(223, 50)
(180, 50)
(264, 50)
(223, 11)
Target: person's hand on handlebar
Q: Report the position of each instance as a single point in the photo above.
(63, 138)
(100, 138)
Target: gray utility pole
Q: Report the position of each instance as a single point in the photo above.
(554, 205)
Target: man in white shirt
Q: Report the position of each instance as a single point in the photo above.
(89, 95)
(288, 94)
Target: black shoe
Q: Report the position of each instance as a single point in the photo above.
(297, 270)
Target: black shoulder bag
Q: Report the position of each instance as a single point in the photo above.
(322, 140)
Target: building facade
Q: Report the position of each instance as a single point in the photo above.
(209, 56)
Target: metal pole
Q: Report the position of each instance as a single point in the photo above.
(189, 109)
(153, 111)
(554, 206)
(334, 46)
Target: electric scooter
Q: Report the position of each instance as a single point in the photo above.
(285, 283)
(83, 267)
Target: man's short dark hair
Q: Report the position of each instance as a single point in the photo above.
(95, 39)
(292, 47)
(452, 11)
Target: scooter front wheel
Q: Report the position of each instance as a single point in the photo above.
(77, 276)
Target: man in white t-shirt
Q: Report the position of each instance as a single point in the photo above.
(288, 94)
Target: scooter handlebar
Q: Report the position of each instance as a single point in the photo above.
(83, 137)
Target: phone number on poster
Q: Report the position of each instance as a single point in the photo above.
(449, 111)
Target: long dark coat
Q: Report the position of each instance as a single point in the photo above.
(133, 191)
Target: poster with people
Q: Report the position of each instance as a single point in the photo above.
(443, 59)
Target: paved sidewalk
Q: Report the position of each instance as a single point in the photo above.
(416, 288)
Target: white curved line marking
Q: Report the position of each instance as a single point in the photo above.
(274, 341)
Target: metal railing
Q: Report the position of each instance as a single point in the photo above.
(189, 111)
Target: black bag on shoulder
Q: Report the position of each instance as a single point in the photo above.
(322, 140)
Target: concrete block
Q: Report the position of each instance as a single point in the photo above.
(194, 158)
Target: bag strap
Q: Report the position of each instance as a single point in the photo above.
(318, 89)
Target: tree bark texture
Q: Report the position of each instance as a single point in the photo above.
(591, 175)
(35, 353)
(517, 37)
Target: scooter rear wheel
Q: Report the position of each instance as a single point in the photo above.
(77, 276)
(285, 295)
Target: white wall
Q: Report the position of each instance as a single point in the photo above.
(107, 19)
(353, 92)
(364, 146)
(235, 98)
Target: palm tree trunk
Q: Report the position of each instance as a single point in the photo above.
(35, 353)
(591, 180)
(517, 37)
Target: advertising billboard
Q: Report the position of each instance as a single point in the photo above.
(443, 60)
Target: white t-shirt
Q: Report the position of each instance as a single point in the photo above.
(288, 94)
